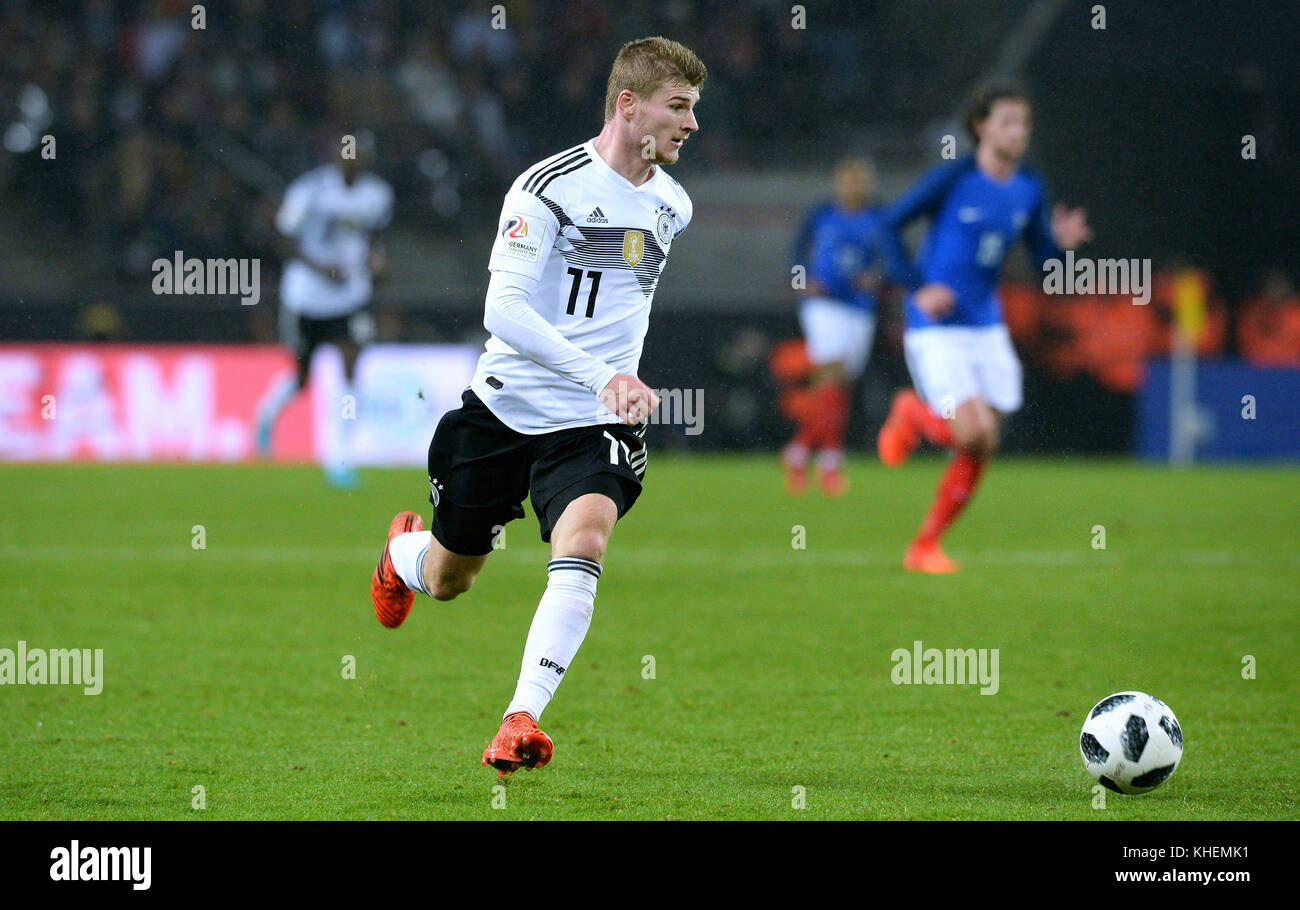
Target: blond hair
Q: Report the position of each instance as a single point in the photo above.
(642, 66)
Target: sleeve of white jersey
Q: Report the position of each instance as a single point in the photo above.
(526, 231)
(525, 235)
(508, 316)
(294, 208)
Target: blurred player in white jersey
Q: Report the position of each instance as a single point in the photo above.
(328, 215)
(555, 409)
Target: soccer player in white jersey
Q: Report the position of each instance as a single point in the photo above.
(556, 408)
(328, 215)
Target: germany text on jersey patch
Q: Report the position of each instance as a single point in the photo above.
(521, 238)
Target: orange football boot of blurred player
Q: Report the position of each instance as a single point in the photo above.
(923, 556)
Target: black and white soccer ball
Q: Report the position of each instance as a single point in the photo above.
(1131, 742)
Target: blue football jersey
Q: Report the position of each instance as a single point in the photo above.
(836, 245)
(974, 222)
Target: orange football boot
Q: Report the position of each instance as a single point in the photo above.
(518, 744)
(390, 595)
(899, 435)
(928, 557)
(834, 483)
(796, 480)
(794, 458)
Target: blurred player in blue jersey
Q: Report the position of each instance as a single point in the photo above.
(958, 350)
(836, 247)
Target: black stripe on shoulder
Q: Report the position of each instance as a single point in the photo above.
(553, 163)
(547, 182)
(548, 162)
(557, 210)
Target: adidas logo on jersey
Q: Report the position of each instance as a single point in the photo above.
(597, 217)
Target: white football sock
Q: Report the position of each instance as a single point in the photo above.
(830, 459)
(338, 433)
(407, 551)
(795, 456)
(560, 624)
(275, 400)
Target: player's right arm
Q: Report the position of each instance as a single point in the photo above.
(526, 235)
(290, 220)
(924, 199)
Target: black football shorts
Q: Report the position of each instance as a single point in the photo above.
(480, 471)
(305, 334)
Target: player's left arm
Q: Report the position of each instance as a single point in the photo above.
(375, 214)
(871, 276)
(376, 206)
(378, 262)
(1065, 229)
(1070, 227)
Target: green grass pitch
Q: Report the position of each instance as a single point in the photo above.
(223, 666)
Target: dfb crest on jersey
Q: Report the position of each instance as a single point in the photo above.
(633, 247)
(664, 229)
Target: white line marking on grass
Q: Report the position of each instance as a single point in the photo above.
(655, 556)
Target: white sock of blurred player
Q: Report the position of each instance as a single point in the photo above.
(336, 425)
(282, 391)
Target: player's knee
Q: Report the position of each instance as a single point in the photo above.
(587, 543)
(977, 440)
(980, 443)
(989, 433)
(966, 435)
(449, 586)
(991, 440)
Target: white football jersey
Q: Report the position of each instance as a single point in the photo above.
(331, 223)
(597, 245)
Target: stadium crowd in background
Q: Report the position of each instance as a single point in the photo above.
(177, 138)
(144, 102)
(1268, 325)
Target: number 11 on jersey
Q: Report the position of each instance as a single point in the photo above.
(591, 295)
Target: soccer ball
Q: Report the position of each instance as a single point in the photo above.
(1131, 742)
